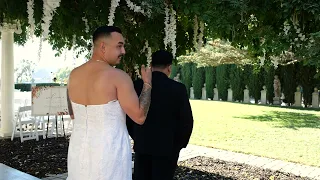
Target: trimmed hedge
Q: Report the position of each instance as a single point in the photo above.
(210, 80)
(23, 87)
(186, 76)
(236, 82)
(222, 78)
(174, 71)
(198, 81)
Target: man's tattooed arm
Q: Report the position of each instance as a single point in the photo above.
(145, 98)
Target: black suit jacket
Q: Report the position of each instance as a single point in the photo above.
(169, 122)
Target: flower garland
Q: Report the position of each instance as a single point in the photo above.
(136, 8)
(85, 20)
(172, 35)
(200, 36)
(74, 38)
(114, 5)
(170, 29)
(166, 27)
(40, 50)
(195, 32)
(49, 7)
(136, 70)
(263, 58)
(148, 54)
(31, 21)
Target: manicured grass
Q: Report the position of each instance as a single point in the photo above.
(280, 133)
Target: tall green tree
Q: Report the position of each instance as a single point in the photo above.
(24, 71)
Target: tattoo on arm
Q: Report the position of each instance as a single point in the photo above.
(145, 98)
(69, 104)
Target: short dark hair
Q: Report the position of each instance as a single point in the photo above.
(161, 58)
(105, 31)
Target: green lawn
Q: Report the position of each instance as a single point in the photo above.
(280, 133)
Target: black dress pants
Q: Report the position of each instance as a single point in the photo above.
(148, 167)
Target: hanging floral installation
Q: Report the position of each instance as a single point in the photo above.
(170, 29)
(195, 32)
(31, 21)
(40, 50)
(148, 54)
(200, 36)
(136, 70)
(74, 38)
(263, 58)
(113, 7)
(139, 9)
(166, 26)
(49, 8)
(85, 20)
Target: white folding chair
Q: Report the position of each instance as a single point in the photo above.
(24, 117)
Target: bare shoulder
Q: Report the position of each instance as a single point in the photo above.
(118, 75)
(75, 71)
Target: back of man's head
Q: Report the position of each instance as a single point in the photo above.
(161, 59)
(104, 31)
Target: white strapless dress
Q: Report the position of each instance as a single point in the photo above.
(99, 146)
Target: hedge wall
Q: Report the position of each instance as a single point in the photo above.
(186, 76)
(222, 78)
(255, 77)
(236, 82)
(210, 80)
(197, 81)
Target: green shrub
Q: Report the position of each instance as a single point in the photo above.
(210, 80)
(186, 76)
(197, 81)
(236, 82)
(222, 79)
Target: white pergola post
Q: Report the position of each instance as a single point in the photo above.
(7, 80)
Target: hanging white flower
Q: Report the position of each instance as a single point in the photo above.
(49, 8)
(148, 51)
(74, 38)
(166, 27)
(136, 70)
(195, 32)
(136, 8)
(174, 32)
(263, 58)
(85, 20)
(65, 55)
(113, 7)
(275, 61)
(40, 50)
(200, 37)
(31, 21)
(170, 29)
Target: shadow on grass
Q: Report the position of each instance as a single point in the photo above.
(287, 119)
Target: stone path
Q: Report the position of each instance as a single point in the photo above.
(8, 173)
(266, 163)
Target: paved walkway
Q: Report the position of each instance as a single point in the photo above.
(265, 163)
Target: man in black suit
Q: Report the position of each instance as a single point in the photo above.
(168, 127)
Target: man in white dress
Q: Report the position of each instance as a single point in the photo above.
(99, 97)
